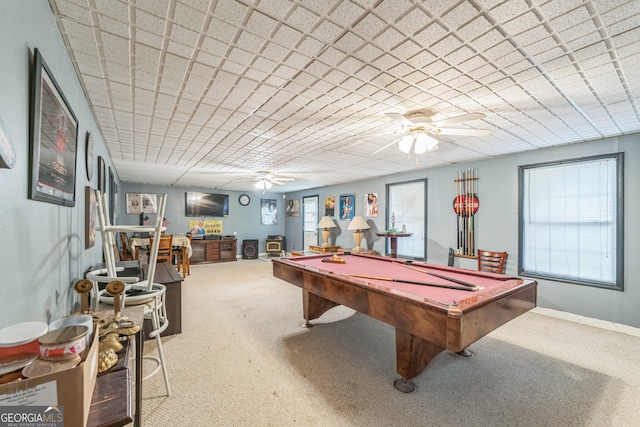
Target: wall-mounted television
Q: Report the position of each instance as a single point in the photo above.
(206, 204)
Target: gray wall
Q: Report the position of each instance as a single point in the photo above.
(42, 252)
(497, 222)
(43, 244)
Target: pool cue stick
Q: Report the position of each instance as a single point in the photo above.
(413, 282)
(451, 279)
(458, 212)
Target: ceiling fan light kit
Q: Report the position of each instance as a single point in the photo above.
(418, 125)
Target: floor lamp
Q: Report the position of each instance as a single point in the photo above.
(358, 224)
(325, 224)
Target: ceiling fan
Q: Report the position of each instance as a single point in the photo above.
(265, 180)
(419, 128)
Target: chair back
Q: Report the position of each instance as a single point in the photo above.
(491, 261)
(165, 247)
(126, 255)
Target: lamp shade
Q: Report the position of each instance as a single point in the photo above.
(424, 143)
(326, 222)
(358, 223)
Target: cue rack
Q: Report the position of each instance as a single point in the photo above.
(465, 205)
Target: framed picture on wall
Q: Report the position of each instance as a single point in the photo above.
(371, 204)
(293, 207)
(329, 206)
(268, 211)
(89, 217)
(54, 140)
(102, 179)
(347, 206)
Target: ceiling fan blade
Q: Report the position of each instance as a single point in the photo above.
(386, 146)
(459, 119)
(400, 119)
(465, 132)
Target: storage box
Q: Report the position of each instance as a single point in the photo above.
(71, 388)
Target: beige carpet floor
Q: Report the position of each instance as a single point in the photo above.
(243, 360)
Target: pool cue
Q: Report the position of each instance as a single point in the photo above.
(413, 282)
(461, 282)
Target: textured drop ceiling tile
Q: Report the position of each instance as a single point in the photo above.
(430, 35)
(460, 15)
(189, 17)
(327, 31)
(148, 38)
(184, 36)
(446, 45)
(149, 22)
(346, 13)
(155, 7)
(231, 12)
(391, 10)
(413, 22)
(369, 26)
(475, 28)
(303, 19)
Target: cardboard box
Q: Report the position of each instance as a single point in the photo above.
(71, 389)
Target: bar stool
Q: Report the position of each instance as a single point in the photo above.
(137, 292)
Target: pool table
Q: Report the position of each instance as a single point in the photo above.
(442, 313)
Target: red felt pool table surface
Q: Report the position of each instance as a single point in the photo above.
(428, 319)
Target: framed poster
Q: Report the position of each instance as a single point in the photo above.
(138, 203)
(102, 181)
(347, 206)
(89, 217)
(268, 211)
(329, 206)
(54, 140)
(89, 156)
(293, 207)
(371, 204)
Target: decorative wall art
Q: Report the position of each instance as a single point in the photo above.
(90, 157)
(89, 217)
(102, 181)
(293, 207)
(54, 140)
(329, 206)
(138, 203)
(347, 206)
(268, 212)
(371, 204)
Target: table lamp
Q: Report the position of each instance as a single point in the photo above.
(358, 224)
(326, 223)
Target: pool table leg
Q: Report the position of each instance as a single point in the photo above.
(314, 306)
(413, 354)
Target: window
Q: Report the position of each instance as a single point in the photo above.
(571, 221)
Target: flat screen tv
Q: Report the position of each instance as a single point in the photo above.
(206, 204)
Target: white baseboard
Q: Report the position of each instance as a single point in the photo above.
(602, 324)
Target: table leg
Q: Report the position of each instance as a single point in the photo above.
(393, 243)
(314, 306)
(139, 337)
(413, 354)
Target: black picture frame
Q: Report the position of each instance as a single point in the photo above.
(102, 181)
(53, 139)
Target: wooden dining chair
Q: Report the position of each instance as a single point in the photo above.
(125, 254)
(183, 263)
(491, 261)
(165, 249)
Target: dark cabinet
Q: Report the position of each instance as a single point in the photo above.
(213, 250)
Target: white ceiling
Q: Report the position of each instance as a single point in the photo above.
(207, 92)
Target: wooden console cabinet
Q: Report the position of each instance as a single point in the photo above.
(213, 250)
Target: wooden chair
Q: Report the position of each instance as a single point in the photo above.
(125, 254)
(491, 261)
(165, 248)
(183, 261)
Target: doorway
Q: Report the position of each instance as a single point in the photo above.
(407, 210)
(309, 221)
